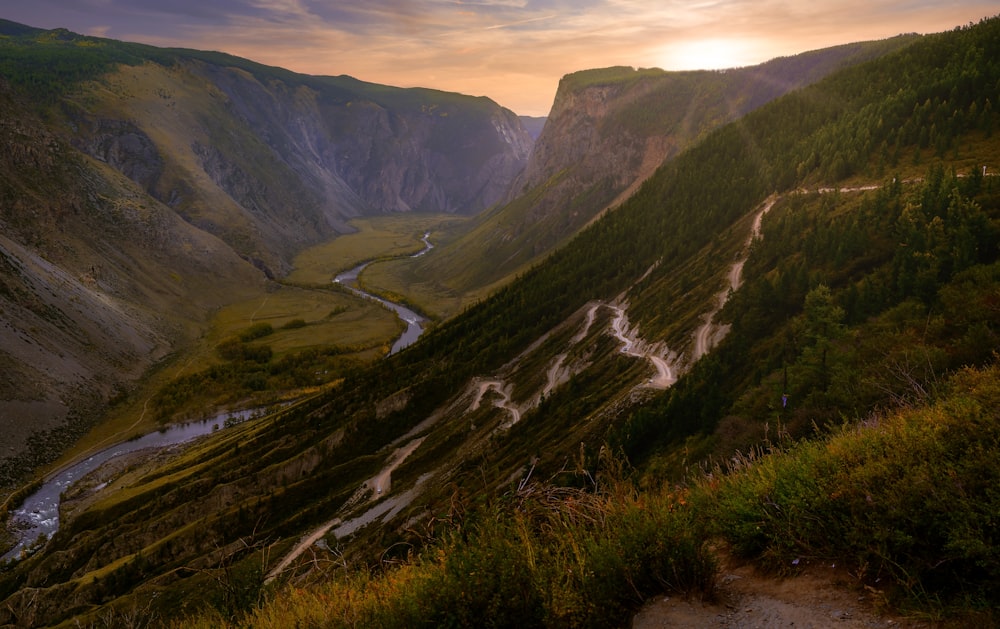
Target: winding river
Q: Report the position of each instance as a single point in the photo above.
(414, 322)
(39, 514)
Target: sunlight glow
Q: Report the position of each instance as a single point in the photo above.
(708, 54)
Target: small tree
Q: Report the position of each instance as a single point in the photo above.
(823, 324)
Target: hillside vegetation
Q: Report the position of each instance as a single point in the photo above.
(857, 378)
(905, 498)
(609, 129)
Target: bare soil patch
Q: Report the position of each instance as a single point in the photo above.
(817, 596)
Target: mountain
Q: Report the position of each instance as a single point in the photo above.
(144, 188)
(533, 125)
(608, 131)
(817, 278)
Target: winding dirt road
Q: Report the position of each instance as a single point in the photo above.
(633, 346)
(379, 485)
(503, 401)
(709, 333)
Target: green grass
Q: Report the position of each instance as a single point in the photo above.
(361, 329)
(332, 318)
(541, 556)
(429, 295)
(377, 237)
(907, 500)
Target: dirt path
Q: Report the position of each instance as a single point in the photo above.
(503, 402)
(665, 376)
(555, 375)
(582, 334)
(380, 484)
(632, 346)
(819, 596)
(709, 334)
(300, 548)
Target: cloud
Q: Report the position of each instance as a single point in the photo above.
(512, 50)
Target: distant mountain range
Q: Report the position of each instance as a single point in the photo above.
(608, 131)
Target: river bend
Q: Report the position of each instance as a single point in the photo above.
(414, 322)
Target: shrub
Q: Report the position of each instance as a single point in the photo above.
(911, 496)
(543, 556)
(256, 331)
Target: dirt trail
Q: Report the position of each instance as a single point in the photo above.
(709, 334)
(503, 402)
(582, 334)
(383, 481)
(380, 485)
(819, 596)
(300, 548)
(633, 346)
(556, 375)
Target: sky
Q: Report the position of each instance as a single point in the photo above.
(514, 51)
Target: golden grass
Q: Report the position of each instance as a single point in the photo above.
(331, 317)
(354, 323)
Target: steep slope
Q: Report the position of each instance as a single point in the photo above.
(136, 179)
(533, 382)
(99, 282)
(607, 132)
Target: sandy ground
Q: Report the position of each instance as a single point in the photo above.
(817, 596)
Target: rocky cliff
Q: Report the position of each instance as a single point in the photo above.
(272, 161)
(98, 281)
(608, 130)
(142, 188)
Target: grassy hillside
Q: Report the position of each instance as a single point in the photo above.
(877, 303)
(905, 499)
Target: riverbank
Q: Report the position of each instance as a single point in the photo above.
(414, 321)
(37, 518)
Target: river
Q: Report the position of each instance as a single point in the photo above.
(39, 514)
(414, 322)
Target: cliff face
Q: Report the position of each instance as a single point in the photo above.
(608, 131)
(617, 125)
(140, 198)
(272, 162)
(98, 281)
(396, 149)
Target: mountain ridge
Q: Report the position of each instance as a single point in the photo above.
(221, 170)
(608, 131)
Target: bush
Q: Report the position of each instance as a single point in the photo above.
(237, 351)
(544, 556)
(256, 331)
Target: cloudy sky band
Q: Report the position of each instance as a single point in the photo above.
(513, 51)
